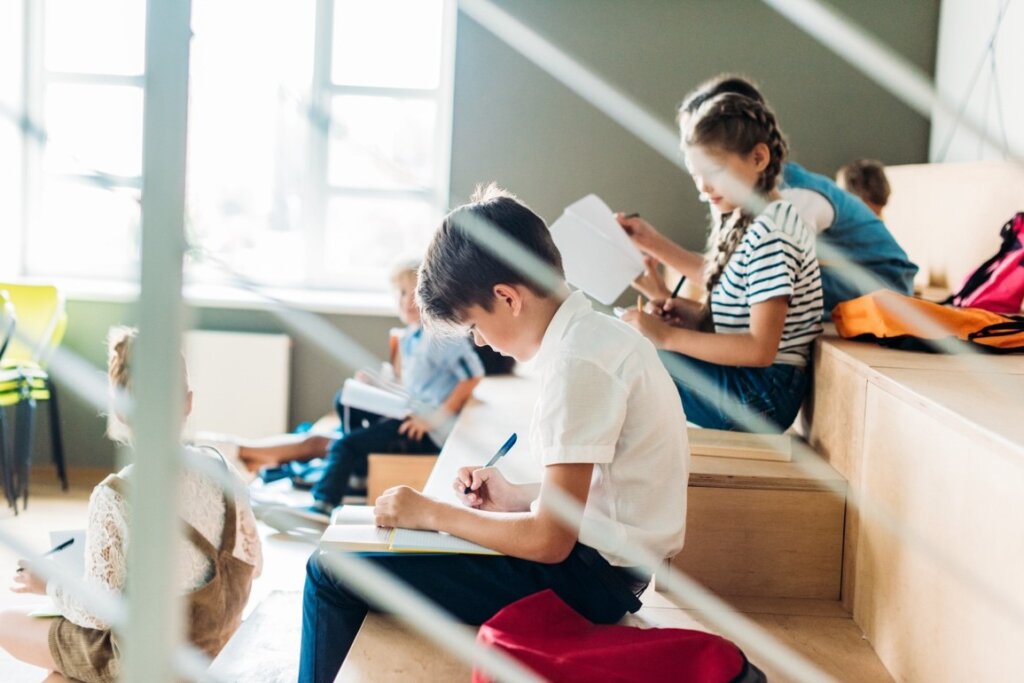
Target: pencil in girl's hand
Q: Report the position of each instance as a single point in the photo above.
(55, 549)
(640, 303)
(679, 285)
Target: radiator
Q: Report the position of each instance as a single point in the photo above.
(240, 382)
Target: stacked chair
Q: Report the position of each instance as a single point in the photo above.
(33, 325)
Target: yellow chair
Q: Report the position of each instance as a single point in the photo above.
(7, 323)
(40, 324)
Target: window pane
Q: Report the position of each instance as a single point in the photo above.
(93, 128)
(248, 135)
(96, 36)
(382, 142)
(238, 250)
(367, 236)
(82, 230)
(390, 43)
(10, 136)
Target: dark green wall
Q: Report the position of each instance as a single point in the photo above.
(516, 125)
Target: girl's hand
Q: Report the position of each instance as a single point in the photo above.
(651, 326)
(414, 427)
(404, 506)
(25, 581)
(640, 231)
(650, 283)
(489, 489)
(677, 312)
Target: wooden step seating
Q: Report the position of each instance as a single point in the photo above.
(765, 529)
(935, 443)
(395, 469)
(771, 528)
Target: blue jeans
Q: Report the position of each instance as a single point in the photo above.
(349, 455)
(723, 396)
(472, 588)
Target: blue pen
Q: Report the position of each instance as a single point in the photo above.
(505, 448)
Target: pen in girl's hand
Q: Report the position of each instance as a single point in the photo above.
(632, 215)
(55, 549)
(505, 448)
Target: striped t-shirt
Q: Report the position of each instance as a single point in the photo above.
(775, 258)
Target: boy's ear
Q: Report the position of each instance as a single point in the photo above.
(508, 296)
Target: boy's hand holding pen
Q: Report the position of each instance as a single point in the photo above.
(474, 484)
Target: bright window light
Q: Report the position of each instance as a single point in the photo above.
(95, 36)
(388, 43)
(317, 156)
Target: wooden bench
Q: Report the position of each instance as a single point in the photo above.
(935, 445)
(768, 528)
(385, 470)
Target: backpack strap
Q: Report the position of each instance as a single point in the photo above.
(1003, 329)
(227, 542)
(981, 273)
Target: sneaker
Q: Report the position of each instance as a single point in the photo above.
(319, 511)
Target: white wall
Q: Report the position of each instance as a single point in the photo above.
(965, 29)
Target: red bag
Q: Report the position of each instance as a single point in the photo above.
(560, 645)
(998, 284)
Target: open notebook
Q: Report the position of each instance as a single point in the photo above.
(352, 529)
(380, 401)
(73, 559)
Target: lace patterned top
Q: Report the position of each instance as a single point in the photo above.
(106, 541)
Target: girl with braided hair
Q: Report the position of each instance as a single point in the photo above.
(746, 346)
(857, 253)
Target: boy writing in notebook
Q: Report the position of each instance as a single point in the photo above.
(606, 428)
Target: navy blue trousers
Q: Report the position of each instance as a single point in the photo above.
(349, 455)
(472, 588)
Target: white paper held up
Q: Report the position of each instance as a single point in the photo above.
(597, 255)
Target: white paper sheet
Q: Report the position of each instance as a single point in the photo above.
(597, 255)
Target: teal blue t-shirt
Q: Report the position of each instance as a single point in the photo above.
(859, 236)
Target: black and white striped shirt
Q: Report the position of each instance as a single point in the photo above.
(776, 258)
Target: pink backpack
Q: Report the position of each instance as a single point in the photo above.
(998, 284)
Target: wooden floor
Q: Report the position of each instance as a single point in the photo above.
(818, 629)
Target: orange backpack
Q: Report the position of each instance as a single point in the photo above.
(903, 322)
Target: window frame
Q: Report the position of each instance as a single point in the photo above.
(318, 191)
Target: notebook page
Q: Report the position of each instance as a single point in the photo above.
(374, 400)
(355, 537)
(598, 257)
(594, 211)
(417, 541)
(353, 514)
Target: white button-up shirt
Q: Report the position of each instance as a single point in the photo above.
(606, 399)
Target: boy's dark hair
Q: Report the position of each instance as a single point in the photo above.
(718, 85)
(866, 179)
(459, 271)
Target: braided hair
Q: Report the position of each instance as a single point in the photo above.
(736, 124)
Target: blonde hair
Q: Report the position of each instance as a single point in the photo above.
(120, 354)
(734, 123)
(120, 341)
(403, 269)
